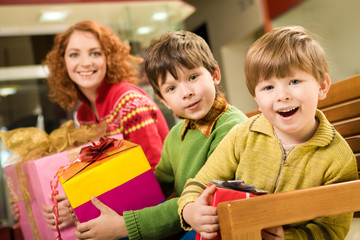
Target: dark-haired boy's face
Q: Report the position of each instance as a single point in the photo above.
(192, 95)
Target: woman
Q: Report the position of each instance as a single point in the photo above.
(90, 64)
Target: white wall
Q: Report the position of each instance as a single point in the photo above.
(231, 25)
(334, 23)
(233, 57)
(336, 26)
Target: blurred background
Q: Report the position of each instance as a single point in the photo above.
(27, 29)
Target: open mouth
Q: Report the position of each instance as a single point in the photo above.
(288, 112)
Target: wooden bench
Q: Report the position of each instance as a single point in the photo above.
(244, 219)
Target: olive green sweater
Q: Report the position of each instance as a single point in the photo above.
(180, 160)
(252, 153)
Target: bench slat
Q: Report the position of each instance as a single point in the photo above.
(348, 127)
(354, 143)
(243, 219)
(342, 111)
(342, 91)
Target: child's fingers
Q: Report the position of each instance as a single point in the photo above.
(81, 234)
(206, 194)
(99, 205)
(83, 227)
(207, 235)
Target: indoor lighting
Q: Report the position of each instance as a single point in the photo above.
(160, 16)
(53, 16)
(8, 90)
(144, 30)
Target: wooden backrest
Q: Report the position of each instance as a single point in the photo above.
(342, 108)
(244, 219)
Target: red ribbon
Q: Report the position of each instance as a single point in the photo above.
(93, 152)
(87, 154)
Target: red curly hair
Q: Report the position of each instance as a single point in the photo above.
(121, 66)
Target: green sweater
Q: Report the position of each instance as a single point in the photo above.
(180, 160)
(252, 153)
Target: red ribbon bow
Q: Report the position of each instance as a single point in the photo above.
(87, 154)
(93, 152)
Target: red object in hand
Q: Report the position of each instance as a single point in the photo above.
(222, 195)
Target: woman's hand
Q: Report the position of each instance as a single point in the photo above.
(15, 211)
(66, 214)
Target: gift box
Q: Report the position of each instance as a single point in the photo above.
(227, 191)
(35, 159)
(120, 177)
(30, 183)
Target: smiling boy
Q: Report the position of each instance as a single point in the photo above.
(290, 145)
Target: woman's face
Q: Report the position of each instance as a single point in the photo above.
(85, 61)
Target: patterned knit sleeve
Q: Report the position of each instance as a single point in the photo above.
(136, 116)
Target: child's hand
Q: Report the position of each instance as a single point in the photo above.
(15, 211)
(109, 225)
(66, 214)
(274, 233)
(202, 217)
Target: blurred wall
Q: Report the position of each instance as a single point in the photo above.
(232, 25)
(336, 24)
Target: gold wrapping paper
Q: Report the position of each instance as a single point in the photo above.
(31, 143)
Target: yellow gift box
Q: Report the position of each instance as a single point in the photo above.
(121, 178)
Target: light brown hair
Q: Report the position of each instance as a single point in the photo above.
(176, 49)
(280, 51)
(120, 65)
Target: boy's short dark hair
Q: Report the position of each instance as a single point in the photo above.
(279, 51)
(176, 49)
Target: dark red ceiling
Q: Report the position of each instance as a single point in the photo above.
(16, 2)
(277, 7)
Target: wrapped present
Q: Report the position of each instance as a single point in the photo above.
(230, 190)
(29, 182)
(35, 159)
(119, 176)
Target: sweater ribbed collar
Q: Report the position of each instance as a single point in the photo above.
(322, 137)
(206, 124)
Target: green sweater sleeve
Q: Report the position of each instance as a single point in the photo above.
(157, 222)
(177, 164)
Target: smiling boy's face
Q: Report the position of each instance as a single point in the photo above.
(192, 95)
(290, 104)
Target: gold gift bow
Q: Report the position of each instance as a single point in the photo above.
(32, 143)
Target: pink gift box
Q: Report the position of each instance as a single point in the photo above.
(38, 174)
(35, 178)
